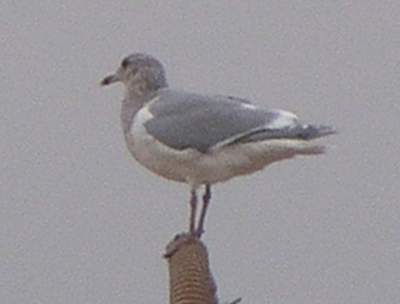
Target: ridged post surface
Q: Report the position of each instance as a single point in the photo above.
(191, 281)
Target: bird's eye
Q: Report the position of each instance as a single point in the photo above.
(125, 63)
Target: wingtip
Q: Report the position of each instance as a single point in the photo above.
(326, 130)
(310, 132)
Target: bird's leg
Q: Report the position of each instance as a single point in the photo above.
(193, 207)
(206, 201)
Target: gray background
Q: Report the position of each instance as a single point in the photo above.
(81, 222)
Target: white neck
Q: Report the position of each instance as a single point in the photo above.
(130, 106)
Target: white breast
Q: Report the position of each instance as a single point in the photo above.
(154, 155)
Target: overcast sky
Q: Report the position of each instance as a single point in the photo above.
(82, 222)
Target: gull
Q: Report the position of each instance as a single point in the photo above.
(201, 139)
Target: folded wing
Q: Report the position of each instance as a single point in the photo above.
(183, 120)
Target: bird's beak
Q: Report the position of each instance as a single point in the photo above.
(110, 79)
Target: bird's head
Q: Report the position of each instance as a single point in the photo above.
(141, 74)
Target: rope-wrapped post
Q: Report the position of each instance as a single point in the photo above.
(190, 278)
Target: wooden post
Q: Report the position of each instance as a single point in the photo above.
(190, 278)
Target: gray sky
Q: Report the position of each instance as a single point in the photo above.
(81, 222)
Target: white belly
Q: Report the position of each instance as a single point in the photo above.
(197, 168)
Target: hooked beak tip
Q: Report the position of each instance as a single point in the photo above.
(109, 80)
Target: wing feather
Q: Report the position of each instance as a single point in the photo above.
(184, 120)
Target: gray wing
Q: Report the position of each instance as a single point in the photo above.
(183, 120)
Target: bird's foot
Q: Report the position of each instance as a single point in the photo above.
(198, 233)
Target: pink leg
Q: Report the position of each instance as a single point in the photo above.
(206, 201)
(193, 207)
